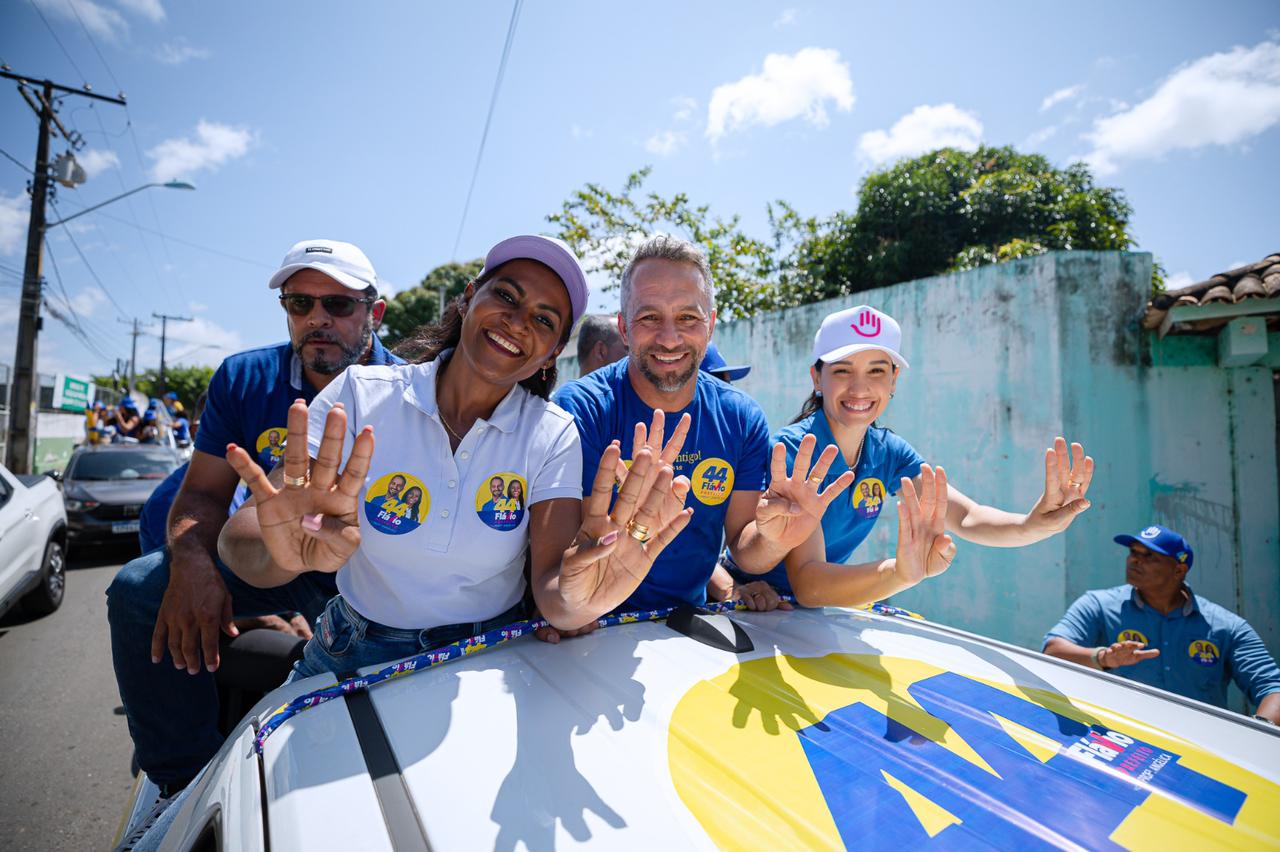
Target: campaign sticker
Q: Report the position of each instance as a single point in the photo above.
(1203, 652)
(500, 501)
(712, 481)
(1131, 636)
(397, 503)
(868, 497)
(270, 446)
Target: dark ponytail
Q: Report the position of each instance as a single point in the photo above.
(814, 402)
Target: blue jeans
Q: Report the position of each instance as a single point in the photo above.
(344, 640)
(173, 716)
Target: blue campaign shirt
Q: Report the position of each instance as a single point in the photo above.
(153, 523)
(727, 450)
(885, 459)
(1201, 645)
(249, 399)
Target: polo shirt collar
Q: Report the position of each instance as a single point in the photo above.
(421, 393)
(378, 355)
(873, 447)
(1188, 607)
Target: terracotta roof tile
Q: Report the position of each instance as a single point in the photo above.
(1253, 281)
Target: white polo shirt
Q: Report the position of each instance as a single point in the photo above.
(443, 535)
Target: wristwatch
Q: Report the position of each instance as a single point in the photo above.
(1097, 659)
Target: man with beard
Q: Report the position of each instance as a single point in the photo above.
(666, 318)
(167, 608)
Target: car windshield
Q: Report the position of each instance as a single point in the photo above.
(123, 464)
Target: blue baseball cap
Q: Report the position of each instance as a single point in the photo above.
(171, 395)
(128, 402)
(713, 362)
(1161, 540)
(149, 415)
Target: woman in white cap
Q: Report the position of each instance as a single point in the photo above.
(471, 412)
(856, 368)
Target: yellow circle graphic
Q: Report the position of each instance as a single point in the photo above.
(1203, 652)
(270, 446)
(868, 497)
(881, 752)
(712, 481)
(397, 503)
(1131, 636)
(501, 500)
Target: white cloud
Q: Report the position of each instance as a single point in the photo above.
(14, 213)
(664, 143)
(923, 129)
(200, 342)
(1220, 99)
(1066, 94)
(178, 52)
(1041, 136)
(98, 19)
(1178, 280)
(785, 19)
(95, 161)
(789, 87)
(197, 307)
(212, 145)
(685, 108)
(577, 131)
(86, 302)
(149, 9)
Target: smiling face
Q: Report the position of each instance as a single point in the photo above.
(515, 490)
(667, 323)
(856, 390)
(495, 487)
(413, 496)
(515, 322)
(395, 485)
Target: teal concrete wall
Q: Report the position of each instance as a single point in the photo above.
(1006, 357)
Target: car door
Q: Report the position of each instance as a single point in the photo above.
(15, 530)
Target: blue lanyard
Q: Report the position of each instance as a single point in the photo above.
(474, 644)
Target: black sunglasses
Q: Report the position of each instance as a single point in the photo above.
(299, 304)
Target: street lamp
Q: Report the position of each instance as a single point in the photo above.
(20, 437)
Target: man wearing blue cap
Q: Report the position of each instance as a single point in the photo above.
(1156, 631)
(713, 362)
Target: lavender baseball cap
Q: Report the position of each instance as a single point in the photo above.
(551, 253)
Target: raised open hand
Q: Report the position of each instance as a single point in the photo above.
(311, 523)
(613, 551)
(651, 439)
(924, 548)
(792, 507)
(1126, 654)
(1067, 474)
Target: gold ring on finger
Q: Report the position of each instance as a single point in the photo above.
(637, 531)
(1073, 483)
(294, 481)
(815, 480)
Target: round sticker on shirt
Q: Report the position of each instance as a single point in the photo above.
(397, 503)
(868, 497)
(500, 501)
(712, 481)
(1203, 652)
(270, 447)
(1131, 636)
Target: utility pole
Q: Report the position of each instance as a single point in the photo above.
(164, 328)
(133, 354)
(22, 409)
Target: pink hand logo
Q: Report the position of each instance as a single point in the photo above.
(868, 324)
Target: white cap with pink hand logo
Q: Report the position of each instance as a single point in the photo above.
(855, 330)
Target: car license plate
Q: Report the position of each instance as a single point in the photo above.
(125, 527)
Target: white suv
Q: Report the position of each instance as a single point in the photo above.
(33, 543)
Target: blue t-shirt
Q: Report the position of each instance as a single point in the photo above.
(1201, 645)
(153, 523)
(885, 459)
(727, 450)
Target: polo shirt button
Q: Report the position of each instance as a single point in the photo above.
(464, 454)
(453, 483)
(445, 514)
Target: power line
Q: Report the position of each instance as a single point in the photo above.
(77, 328)
(83, 79)
(94, 44)
(493, 102)
(71, 236)
(17, 162)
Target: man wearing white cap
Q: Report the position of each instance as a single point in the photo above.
(168, 608)
(856, 369)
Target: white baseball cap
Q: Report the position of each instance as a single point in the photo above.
(855, 330)
(342, 262)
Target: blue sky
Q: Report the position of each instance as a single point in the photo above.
(362, 121)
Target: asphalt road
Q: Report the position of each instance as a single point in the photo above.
(64, 763)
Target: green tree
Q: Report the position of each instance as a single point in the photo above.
(187, 382)
(604, 228)
(417, 306)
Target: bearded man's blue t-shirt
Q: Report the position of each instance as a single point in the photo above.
(727, 450)
(885, 459)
